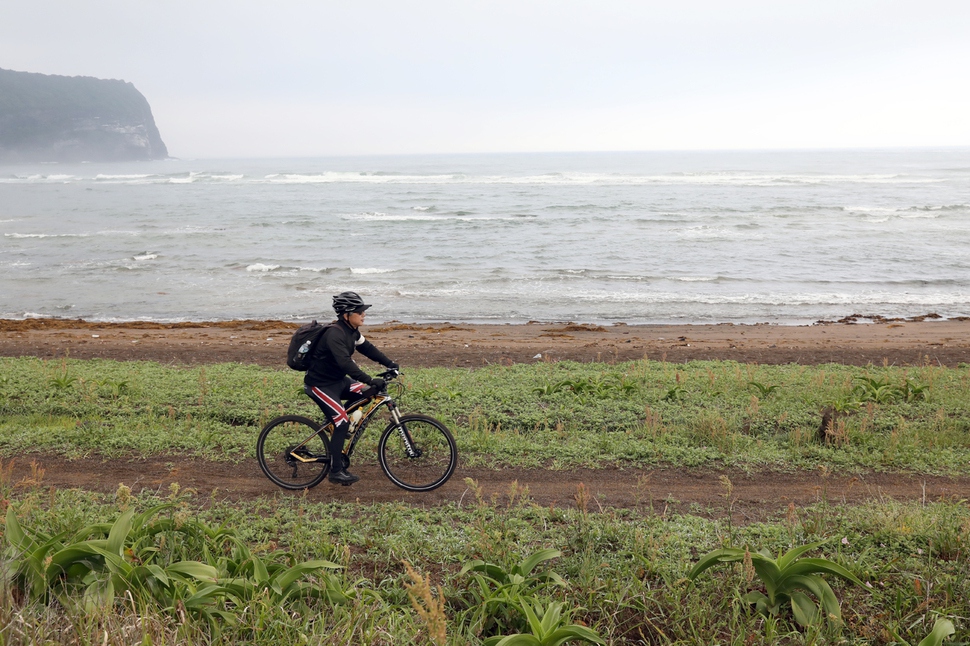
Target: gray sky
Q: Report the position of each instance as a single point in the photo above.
(240, 78)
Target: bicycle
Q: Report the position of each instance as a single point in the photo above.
(416, 452)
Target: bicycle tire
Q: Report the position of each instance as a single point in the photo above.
(432, 461)
(275, 459)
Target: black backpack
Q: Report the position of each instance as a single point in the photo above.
(301, 345)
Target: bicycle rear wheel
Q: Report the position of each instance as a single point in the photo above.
(293, 453)
(418, 454)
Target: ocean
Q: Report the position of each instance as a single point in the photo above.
(785, 237)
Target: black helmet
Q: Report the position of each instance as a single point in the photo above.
(345, 302)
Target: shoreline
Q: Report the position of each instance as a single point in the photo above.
(44, 320)
(853, 340)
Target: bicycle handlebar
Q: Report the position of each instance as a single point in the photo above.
(387, 375)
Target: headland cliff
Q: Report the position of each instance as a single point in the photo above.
(49, 118)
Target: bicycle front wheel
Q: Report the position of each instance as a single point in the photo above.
(418, 454)
(292, 452)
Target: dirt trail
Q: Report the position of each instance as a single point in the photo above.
(909, 342)
(755, 496)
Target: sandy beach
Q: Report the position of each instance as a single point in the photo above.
(854, 340)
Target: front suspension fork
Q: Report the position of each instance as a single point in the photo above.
(409, 446)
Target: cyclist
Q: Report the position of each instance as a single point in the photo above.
(333, 376)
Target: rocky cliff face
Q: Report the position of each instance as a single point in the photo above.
(46, 118)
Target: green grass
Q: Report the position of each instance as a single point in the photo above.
(551, 415)
(624, 572)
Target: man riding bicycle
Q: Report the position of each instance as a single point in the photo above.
(334, 376)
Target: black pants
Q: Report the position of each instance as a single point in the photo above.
(328, 397)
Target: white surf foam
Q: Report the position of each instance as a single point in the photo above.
(46, 235)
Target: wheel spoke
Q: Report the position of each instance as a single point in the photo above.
(292, 453)
(419, 454)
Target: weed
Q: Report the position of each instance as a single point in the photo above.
(942, 629)
(674, 394)
(497, 590)
(652, 422)
(63, 381)
(786, 580)
(624, 579)
(117, 387)
(548, 627)
(103, 562)
(763, 390)
(429, 606)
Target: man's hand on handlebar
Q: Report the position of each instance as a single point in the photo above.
(387, 375)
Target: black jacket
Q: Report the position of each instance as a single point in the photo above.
(331, 360)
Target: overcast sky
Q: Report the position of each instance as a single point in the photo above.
(301, 78)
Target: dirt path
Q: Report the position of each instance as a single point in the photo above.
(852, 342)
(755, 496)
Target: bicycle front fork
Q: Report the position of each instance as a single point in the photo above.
(409, 446)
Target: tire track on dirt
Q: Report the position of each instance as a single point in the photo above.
(753, 496)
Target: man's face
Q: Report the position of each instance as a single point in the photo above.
(356, 319)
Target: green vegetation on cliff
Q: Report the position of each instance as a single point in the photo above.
(47, 118)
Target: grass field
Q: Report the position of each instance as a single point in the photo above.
(393, 573)
(554, 415)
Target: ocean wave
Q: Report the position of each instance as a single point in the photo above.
(457, 216)
(792, 179)
(499, 239)
(935, 210)
(315, 270)
(278, 269)
(708, 232)
(46, 235)
(332, 177)
(385, 217)
(104, 176)
(188, 177)
(780, 300)
(606, 179)
(870, 209)
(907, 213)
(192, 230)
(21, 179)
(712, 178)
(600, 275)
